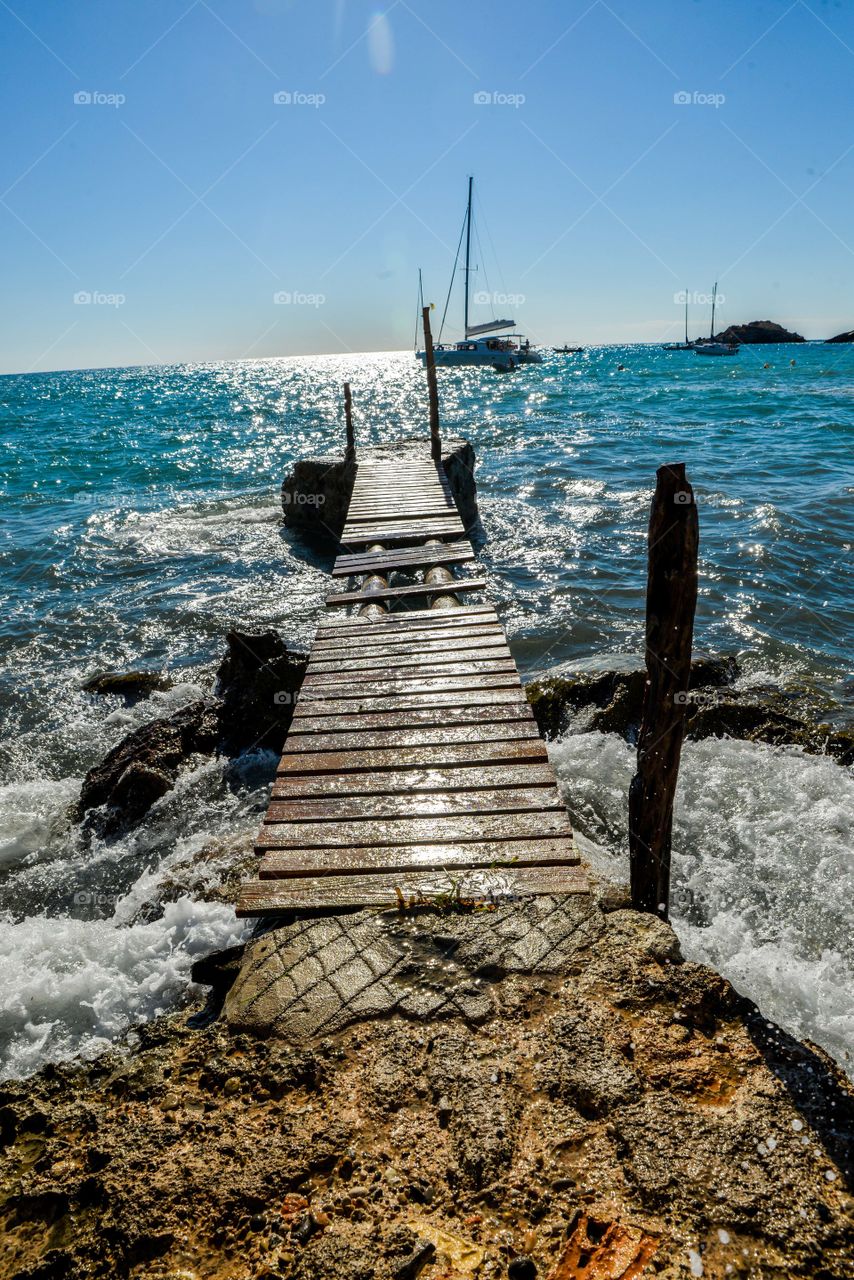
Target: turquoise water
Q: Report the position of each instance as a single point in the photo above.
(141, 521)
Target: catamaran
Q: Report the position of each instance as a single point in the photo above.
(481, 345)
(708, 346)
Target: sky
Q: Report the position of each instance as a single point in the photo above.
(224, 179)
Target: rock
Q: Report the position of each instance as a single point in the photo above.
(615, 695)
(144, 765)
(257, 684)
(758, 331)
(612, 702)
(130, 685)
(843, 337)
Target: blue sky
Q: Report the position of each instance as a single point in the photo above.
(182, 198)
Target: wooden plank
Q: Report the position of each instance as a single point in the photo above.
(487, 885)
(410, 620)
(399, 651)
(359, 705)
(399, 593)
(435, 663)
(394, 686)
(440, 804)
(420, 672)
(402, 558)
(451, 828)
(435, 646)
(360, 739)
(409, 531)
(519, 751)
(285, 864)
(421, 639)
(415, 781)
(483, 722)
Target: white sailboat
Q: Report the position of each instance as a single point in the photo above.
(708, 346)
(680, 346)
(481, 344)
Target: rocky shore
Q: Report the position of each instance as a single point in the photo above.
(758, 331)
(546, 1090)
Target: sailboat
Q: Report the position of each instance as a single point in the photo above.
(680, 346)
(708, 346)
(481, 344)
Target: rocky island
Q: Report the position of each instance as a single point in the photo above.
(758, 331)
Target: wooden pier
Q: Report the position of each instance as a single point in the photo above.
(413, 770)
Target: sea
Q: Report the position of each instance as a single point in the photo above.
(141, 520)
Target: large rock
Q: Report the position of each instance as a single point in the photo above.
(843, 337)
(758, 331)
(257, 685)
(607, 1103)
(611, 701)
(130, 685)
(145, 764)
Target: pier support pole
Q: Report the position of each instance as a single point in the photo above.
(432, 389)
(671, 598)
(350, 454)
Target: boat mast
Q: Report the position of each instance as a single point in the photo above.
(714, 296)
(419, 306)
(686, 317)
(468, 254)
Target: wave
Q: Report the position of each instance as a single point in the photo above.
(763, 868)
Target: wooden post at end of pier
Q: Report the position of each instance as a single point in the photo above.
(671, 599)
(350, 453)
(432, 389)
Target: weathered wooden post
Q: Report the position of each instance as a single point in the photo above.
(432, 388)
(671, 598)
(350, 454)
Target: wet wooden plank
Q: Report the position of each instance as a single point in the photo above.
(399, 593)
(361, 705)
(492, 886)
(450, 828)
(407, 531)
(475, 649)
(285, 864)
(424, 640)
(462, 648)
(410, 620)
(438, 804)
(393, 686)
(392, 718)
(364, 739)
(415, 781)
(402, 558)
(447, 755)
(483, 661)
(420, 671)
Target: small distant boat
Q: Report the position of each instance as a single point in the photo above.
(716, 348)
(567, 351)
(680, 346)
(708, 346)
(481, 345)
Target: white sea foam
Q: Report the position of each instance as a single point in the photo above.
(69, 988)
(763, 868)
